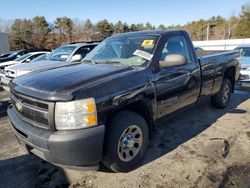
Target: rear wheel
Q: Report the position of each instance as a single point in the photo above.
(222, 98)
(126, 142)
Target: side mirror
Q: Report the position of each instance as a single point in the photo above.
(18, 56)
(27, 60)
(172, 61)
(77, 57)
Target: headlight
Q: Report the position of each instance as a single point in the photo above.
(75, 114)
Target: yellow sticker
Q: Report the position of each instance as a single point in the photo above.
(147, 43)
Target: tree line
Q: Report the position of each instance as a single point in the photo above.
(39, 33)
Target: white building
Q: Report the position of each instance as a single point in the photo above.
(229, 44)
(4, 43)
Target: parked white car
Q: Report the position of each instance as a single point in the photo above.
(64, 55)
(23, 59)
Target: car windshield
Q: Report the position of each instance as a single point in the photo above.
(61, 53)
(132, 51)
(22, 57)
(13, 54)
(39, 58)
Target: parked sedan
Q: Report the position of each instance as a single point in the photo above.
(19, 53)
(23, 59)
(64, 55)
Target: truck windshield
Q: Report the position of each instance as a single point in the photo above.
(61, 53)
(132, 51)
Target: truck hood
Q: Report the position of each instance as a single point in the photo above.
(66, 79)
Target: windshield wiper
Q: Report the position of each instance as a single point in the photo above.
(89, 61)
(54, 59)
(107, 62)
(118, 62)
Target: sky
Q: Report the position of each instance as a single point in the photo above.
(157, 12)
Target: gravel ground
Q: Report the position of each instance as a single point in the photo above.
(202, 147)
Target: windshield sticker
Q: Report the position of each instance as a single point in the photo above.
(143, 54)
(147, 44)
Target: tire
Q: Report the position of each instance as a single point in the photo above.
(222, 98)
(126, 131)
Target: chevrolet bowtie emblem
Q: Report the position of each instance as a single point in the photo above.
(19, 106)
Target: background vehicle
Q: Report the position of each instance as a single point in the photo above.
(72, 52)
(105, 109)
(4, 55)
(40, 58)
(244, 80)
(22, 59)
(19, 53)
(75, 53)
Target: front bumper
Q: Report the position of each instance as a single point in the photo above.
(244, 80)
(77, 148)
(243, 83)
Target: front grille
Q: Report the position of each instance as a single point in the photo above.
(31, 110)
(34, 103)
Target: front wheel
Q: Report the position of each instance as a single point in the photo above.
(126, 142)
(222, 98)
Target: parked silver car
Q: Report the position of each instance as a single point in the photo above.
(244, 80)
(63, 55)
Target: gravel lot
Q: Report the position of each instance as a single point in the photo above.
(203, 147)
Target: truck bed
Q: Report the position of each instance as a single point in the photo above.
(212, 64)
(202, 53)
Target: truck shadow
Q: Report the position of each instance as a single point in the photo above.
(30, 171)
(174, 131)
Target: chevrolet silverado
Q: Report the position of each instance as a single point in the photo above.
(105, 109)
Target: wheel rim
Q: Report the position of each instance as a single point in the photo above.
(226, 92)
(130, 143)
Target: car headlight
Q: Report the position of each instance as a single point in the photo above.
(75, 114)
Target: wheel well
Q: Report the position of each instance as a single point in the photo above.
(142, 109)
(230, 74)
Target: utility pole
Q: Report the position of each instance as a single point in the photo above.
(208, 27)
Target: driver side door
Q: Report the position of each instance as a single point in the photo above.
(177, 86)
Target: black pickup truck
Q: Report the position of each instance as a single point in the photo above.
(104, 109)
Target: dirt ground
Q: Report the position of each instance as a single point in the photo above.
(202, 147)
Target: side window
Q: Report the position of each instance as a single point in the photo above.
(34, 56)
(176, 45)
(83, 51)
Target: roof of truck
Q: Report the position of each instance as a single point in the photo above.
(152, 32)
